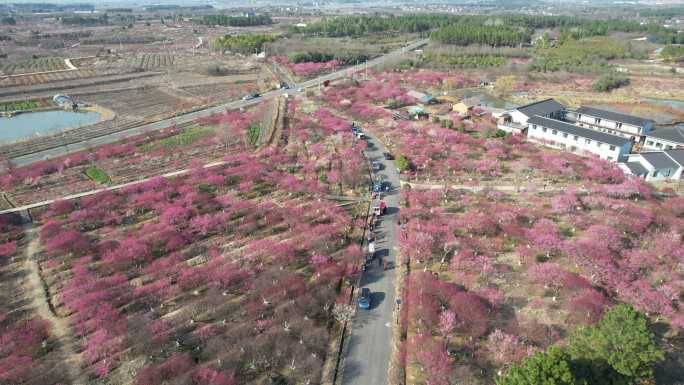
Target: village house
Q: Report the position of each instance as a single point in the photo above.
(515, 120)
(579, 140)
(614, 123)
(421, 98)
(655, 166)
(465, 106)
(664, 139)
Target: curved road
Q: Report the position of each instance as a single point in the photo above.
(370, 346)
(189, 117)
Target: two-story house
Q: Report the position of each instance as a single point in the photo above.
(614, 123)
(515, 120)
(579, 140)
(664, 139)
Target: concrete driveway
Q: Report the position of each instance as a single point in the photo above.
(370, 345)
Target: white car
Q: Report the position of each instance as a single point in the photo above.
(300, 89)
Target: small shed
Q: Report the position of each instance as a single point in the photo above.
(466, 105)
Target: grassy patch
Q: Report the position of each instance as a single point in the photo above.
(253, 133)
(98, 175)
(18, 106)
(182, 139)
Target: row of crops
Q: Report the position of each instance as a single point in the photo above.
(32, 65)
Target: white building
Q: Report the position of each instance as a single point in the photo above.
(579, 140)
(516, 120)
(664, 139)
(614, 123)
(655, 166)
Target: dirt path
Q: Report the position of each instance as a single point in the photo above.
(36, 290)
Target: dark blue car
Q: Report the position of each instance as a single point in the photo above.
(365, 299)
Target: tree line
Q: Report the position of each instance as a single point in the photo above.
(494, 36)
(321, 57)
(518, 26)
(245, 43)
(236, 21)
(85, 21)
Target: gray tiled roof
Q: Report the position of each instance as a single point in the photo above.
(659, 160)
(675, 134)
(541, 108)
(636, 168)
(614, 116)
(676, 155)
(579, 131)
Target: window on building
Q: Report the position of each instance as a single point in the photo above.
(534, 126)
(587, 141)
(576, 138)
(649, 142)
(618, 125)
(598, 144)
(667, 172)
(655, 173)
(544, 129)
(579, 116)
(610, 158)
(659, 145)
(668, 147)
(612, 148)
(565, 134)
(597, 120)
(554, 132)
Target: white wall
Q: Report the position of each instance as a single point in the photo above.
(577, 144)
(519, 117)
(656, 144)
(612, 127)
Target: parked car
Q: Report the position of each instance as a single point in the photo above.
(284, 86)
(251, 96)
(360, 135)
(388, 156)
(365, 299)
(377, 186)
(376, 166)
(300, 89)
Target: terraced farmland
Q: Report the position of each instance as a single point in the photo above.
(32, 65)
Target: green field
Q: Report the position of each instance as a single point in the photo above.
(19, 106)
(184, 138)
(98, 175)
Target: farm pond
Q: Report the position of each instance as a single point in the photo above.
(26, 125)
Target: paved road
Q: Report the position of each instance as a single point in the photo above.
(370, 346)
(63, 150)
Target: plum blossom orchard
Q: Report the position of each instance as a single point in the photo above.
(226, 275)
(494, 277)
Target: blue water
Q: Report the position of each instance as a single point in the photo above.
(27, 125)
